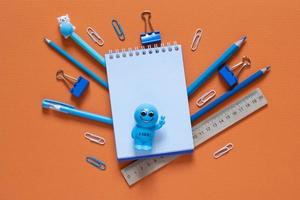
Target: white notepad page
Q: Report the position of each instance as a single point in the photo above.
(155, 76)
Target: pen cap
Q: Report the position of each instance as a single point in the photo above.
(52, 104)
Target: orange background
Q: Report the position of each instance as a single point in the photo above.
(42, 154)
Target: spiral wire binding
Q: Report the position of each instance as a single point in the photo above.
(123, 53)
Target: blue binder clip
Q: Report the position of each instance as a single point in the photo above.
(149, 38)
(228, 75)
(76, 85)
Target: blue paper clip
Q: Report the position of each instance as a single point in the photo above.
(118, 29)
(152, 37)
(96, 163)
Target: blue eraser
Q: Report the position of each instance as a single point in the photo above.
(79, 87)
(228, 76)
(150, 38)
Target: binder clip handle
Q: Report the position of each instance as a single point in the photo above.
(67, 79)
(146, 16)
(246, 62)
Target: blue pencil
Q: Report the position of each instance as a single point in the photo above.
(230, 93)
(215, 66)
(76, 63)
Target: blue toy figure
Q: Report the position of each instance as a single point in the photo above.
(146, 117)
(65, 26)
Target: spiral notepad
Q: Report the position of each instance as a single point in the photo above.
(155, 76)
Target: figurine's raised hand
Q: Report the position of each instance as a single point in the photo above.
(162, 120)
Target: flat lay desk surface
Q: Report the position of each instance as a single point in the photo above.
(42, 154)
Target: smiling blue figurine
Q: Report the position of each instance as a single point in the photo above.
(146, 117)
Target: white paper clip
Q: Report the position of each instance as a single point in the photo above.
(205, 98)
(223, 150)
(196, 39)
(94, 138)
(94, 36)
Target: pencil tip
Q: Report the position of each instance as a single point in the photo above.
(46, 40)
(241, 41)
(266, 69)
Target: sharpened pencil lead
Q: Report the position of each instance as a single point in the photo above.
(266, 69)
(241, 41)
(47, 40)
(244, 37)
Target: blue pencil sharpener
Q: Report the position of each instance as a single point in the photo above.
(77, 86)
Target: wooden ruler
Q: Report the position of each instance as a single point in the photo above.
(203, 131)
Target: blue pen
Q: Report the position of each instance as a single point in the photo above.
(215, 66)
(71, 110)
(67, 30)
(230, 93)
(76, 62)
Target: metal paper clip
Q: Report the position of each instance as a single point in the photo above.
(94, 138)
(94, 36)
(223, 150)
(205, 98)
(68, 80)
(196, 39)
(118, 29)
(96, 163)
(246, 62)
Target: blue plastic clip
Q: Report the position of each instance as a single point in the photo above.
(76, 85)
(228, 75)
(152, 37)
